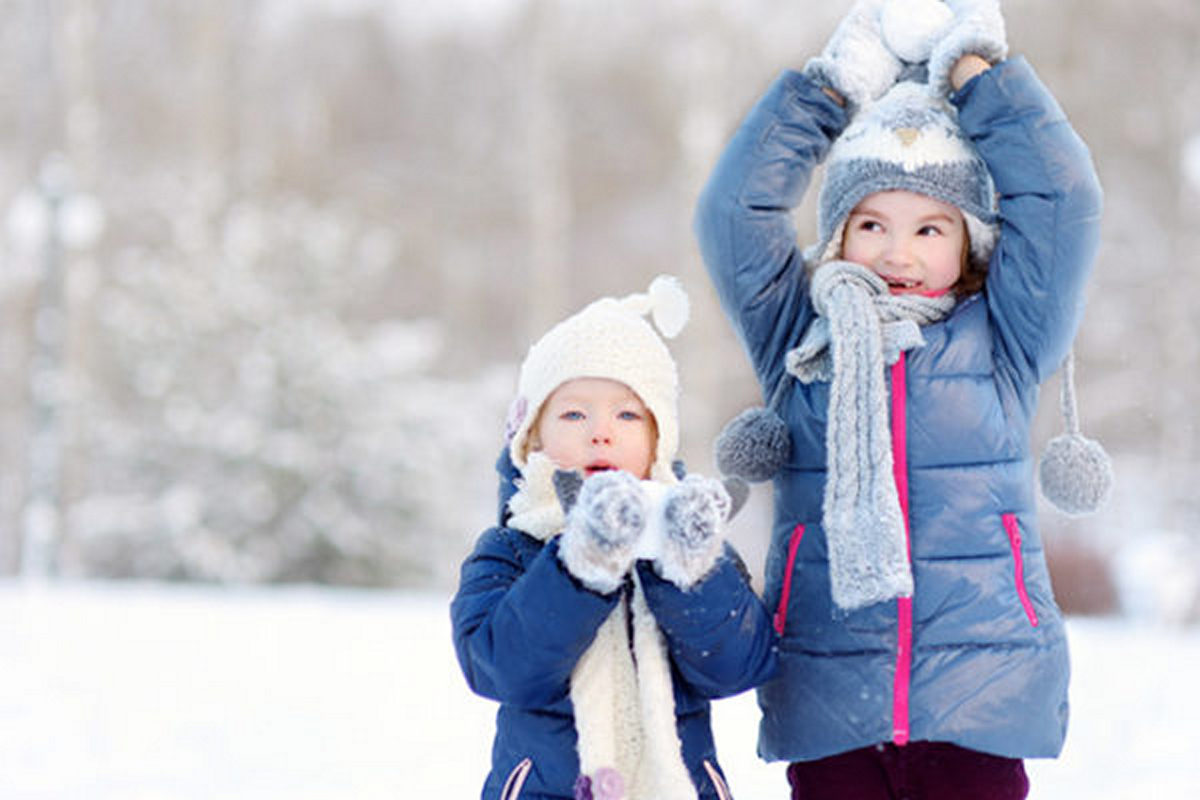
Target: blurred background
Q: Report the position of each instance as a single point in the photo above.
(268, 267)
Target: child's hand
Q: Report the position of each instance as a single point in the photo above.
(977, 29)
(855, 62)
(694, 513)
(966, 68)
(602, 529)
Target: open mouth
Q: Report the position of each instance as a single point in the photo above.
(900, 284)
(598, 466)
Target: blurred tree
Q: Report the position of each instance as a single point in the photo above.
(291, 184)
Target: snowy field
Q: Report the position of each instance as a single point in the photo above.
(150, 692)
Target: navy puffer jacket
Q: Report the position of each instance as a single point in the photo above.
(521, 622)
(978, 656)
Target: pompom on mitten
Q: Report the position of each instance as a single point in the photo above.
(1075, 472)
(753, 445)
(855, 62)
(602, 529)
(977, 29)
(694, 513)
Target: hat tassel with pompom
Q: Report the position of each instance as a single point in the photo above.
(755, 444)
(1075, 472)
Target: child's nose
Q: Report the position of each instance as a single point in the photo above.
(899, 251)
(601, 434)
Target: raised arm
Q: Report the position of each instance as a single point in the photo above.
(743, 219)
(1050, 206)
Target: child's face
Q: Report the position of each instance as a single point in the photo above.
(915, 243)
(595, 424)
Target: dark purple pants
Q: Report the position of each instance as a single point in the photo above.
(917, 771)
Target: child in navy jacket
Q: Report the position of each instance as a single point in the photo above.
(604, 611)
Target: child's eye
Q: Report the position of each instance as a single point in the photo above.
(869, 225)
(930, 230)
(571, 416)
(629, 416)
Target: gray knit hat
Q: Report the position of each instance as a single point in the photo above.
(907, 139)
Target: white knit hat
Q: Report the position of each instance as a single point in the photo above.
(610, 338)
(907, 139)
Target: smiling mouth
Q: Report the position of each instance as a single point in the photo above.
(895, 282)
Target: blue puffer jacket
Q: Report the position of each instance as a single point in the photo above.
(978, 656)
(521, 621)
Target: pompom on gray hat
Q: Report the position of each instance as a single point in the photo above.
(907, 140)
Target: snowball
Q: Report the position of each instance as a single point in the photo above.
(911, 27)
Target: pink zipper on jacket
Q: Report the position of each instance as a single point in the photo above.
(904, 633)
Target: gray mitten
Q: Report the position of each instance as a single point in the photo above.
(694, 514)
(602, 529)
(978, 29)
(856, 62)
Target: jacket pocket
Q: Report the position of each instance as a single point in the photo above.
(1014, 540)
(789, 569)
(516, 780)
(717, 781)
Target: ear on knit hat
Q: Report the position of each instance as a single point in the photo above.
(610, 338)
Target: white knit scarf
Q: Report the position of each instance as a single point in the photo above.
(860, 329)
(621, 691)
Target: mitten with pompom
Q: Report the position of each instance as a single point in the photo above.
(977, 29)
(855, 62)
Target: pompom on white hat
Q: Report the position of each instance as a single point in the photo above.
(610, 338)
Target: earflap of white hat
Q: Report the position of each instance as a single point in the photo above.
(610, 338)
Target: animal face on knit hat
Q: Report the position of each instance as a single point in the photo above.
(908, 139)
(610, 338)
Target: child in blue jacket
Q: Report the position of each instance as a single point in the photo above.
(604, 629)
(922, 652)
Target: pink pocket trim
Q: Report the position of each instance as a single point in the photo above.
(780, 619)
(1014, 539)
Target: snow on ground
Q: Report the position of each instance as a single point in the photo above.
(152, 692)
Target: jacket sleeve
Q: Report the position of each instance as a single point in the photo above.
(743, 219)
(519, 628)
(1050, 203)
(718, 633)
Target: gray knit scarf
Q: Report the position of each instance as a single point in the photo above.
(860, 329)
